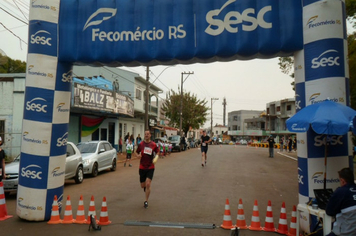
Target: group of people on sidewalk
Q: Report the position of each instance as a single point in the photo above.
(290, 144)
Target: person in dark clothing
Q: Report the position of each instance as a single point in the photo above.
(2, 161)
(271, 143)
(205, 140)
(290, 144)
(342, 205)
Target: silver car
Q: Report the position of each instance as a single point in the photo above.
(73, 169)
(97, 156)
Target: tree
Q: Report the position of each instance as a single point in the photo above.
(193, 114)
(8, 65)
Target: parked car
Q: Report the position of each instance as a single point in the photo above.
(97, 156)
(196, 142)
(73, 169)
(163, 139)
(175, 141)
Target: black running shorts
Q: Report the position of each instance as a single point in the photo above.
(204, 149)
(144, 174)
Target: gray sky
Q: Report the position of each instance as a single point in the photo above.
(246, 85)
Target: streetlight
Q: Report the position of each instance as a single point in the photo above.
(212, 115)
(181, 98)
(147, 92)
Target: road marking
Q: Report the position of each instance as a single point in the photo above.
(288, 156)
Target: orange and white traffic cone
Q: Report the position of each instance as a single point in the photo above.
(55, 213)
(104, 216)
(240, 219)
(293, 223)
(255, 220)
(282, 225)
(92, 210)
(227, 223)
(80, 212)
(3, 209)
(269, 225)
(68, 214)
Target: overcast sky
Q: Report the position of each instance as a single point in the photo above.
(246, 85)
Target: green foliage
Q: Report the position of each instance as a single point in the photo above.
(193, 114)
(8, 65)
(286, 66)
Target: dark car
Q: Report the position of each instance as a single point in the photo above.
(175, 141)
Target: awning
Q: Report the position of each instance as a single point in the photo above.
(158, 128)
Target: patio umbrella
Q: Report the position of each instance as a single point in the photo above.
(327, 117)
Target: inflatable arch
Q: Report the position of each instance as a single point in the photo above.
(166, 32)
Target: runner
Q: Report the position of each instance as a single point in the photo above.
(205, 140)
(148, 151)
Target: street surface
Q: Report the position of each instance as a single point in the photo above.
(182, 192)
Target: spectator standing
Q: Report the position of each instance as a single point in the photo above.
(271, 143)
(281, 143)
(120, 146)
(2, 161)
(290, 144)
(138, 140)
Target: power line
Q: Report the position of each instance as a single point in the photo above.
(13, 34)
(13, 16)
(20, 10)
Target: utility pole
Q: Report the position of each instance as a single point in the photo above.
(147, 96)
(211, 134)
(181, 98)
(224, 112)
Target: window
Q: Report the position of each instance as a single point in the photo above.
(138, 94)
(235, 118)
(125, 128)
(289, 107)
(70, 150)
(278, 108)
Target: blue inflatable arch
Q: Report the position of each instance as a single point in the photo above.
(166, 32)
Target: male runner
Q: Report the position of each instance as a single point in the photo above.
(205, 140)
(148, 152)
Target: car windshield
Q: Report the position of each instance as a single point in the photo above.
(174, 138)
(87, 147)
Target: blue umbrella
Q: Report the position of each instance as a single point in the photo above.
(327, 117)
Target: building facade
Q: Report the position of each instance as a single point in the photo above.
(101, 108)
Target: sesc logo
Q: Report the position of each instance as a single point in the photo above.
(28, 172)
(37, 107)
(62, 141)
(247, 18)
(328, 58)
(300, 177)
(41, 37)
(333, 140)
(67, 77)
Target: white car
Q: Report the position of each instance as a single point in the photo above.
(97, 156)
(73, 169)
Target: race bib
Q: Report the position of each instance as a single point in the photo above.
(147, 151)
(204, 144)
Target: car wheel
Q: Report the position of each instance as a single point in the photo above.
(95, 171)
(113, 166)
(79, 176)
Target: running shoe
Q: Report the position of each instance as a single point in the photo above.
(130, 165)
(145, 204)
(202, 164)
(124, 164)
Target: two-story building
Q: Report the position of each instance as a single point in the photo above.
(101, 108)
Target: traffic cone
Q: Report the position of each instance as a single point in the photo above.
(3, 209)
(104, 217)
(227, 223)
(255, 220)
(80, 212)
(92, 210)
(240, 219)
(293, 223)
(68, 215)
(269, 225)
(282, 225)
(55, 213)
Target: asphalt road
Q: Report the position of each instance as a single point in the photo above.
(183, 192)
